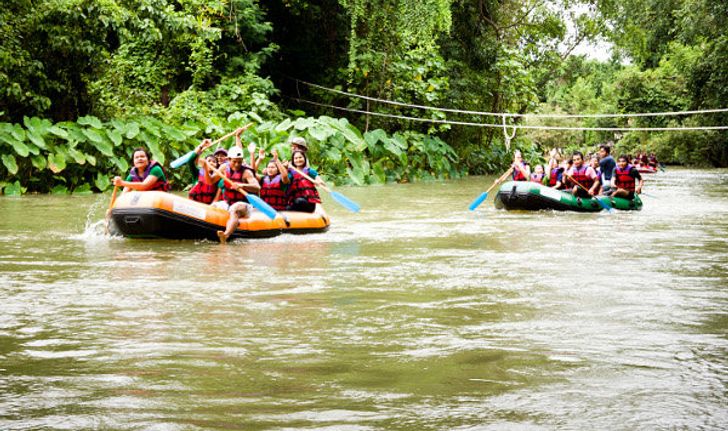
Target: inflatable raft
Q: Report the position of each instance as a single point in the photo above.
(646, 169)
(530, 196)
(164, 215)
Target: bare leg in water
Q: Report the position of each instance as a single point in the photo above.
(237, 211)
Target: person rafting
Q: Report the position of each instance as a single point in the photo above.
(580, 178)
(521, 170)
(302, 193)
(206, 188)
(145, 174)
(298, 144)
(606, 165)
(626, 179)
(594, 163)
(234, 201)
(274, 184)
(538, 174)
(556, 173)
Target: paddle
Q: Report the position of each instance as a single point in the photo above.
(603, 204)
(483, 196)
(661, 166)
(192, 154)
(108, 212)
(338, 197)
(257, 202)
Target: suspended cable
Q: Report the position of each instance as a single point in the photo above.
(514, 126)
(508, 114)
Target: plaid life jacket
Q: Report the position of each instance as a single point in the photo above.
(302, 188)
(273, 192)
(202, 191)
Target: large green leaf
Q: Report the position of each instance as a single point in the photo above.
(77, 156)
(101, 181)
(374, 136)
(121, 164)
(38, 161)
(353, 135)
(14, 189)
(36, 125)
(59, 189)
(284, 125)
(151, 126)
(303, 123)
(321, 132)
(174, 133)
(56, 162)
(10, 163)
(115, 137)
(36, 139)
(132, 130)
(99, 142)
(19, 147)
(90, 120)
(18, 132)
(90, 159)
(83, 189)
(61, 133)
(357, 176)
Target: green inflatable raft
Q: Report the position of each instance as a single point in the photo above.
(530, 196)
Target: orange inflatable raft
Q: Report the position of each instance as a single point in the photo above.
(164, 215)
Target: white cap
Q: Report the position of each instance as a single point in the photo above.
(235, 153)
(298, 141)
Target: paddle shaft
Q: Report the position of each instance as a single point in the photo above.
(499, 180)
(238, 187)
(577, 183)
(300, 172)
(108, 212)
(218, 140)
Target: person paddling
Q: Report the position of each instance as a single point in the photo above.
(538, 174)
(521, 170)
(206, 187)
(626, 179)
(302, 193)
(234, 201)
(580, 178)
(274, 184)
(145, 174)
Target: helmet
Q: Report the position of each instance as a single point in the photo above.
(235, 153)
(298, 141)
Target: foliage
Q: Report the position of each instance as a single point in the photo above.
(39, 156)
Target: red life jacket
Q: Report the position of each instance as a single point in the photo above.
(233, 195)
(273, 192)
(302, 188)
(579, 175)
(537, 178)
(159, 185)
(623, 179)
(554, 177)
(203, 192)
(518, 175)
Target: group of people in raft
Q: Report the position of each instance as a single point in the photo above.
(282, 185)
(601, 175)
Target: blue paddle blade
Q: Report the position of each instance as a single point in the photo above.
(262, 206)
(604, 205)
(479, 200)
(345, 202)
(182, 160)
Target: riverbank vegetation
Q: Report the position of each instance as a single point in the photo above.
(84, 82)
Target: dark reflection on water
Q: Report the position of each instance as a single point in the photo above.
(412, 315)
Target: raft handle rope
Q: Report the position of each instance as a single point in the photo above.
(508, 137)
(507, 114)
(515, 126)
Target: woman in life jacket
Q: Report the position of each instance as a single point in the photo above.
(205, 188)
(556, 172)
(580, 175)
(302, 193)
(594, 163)
(145, 174)
(538, 174)
(626, 179)
(234, 201)
(274, 184)
(521, 170)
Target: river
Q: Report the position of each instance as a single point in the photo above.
(414, 314)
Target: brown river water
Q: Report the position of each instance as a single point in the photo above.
(414, 314)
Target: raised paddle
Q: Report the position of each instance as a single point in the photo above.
(255, 201)
(483, 196)
(189, 156)
(338, 197)
(108, 211)
(603, 204)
